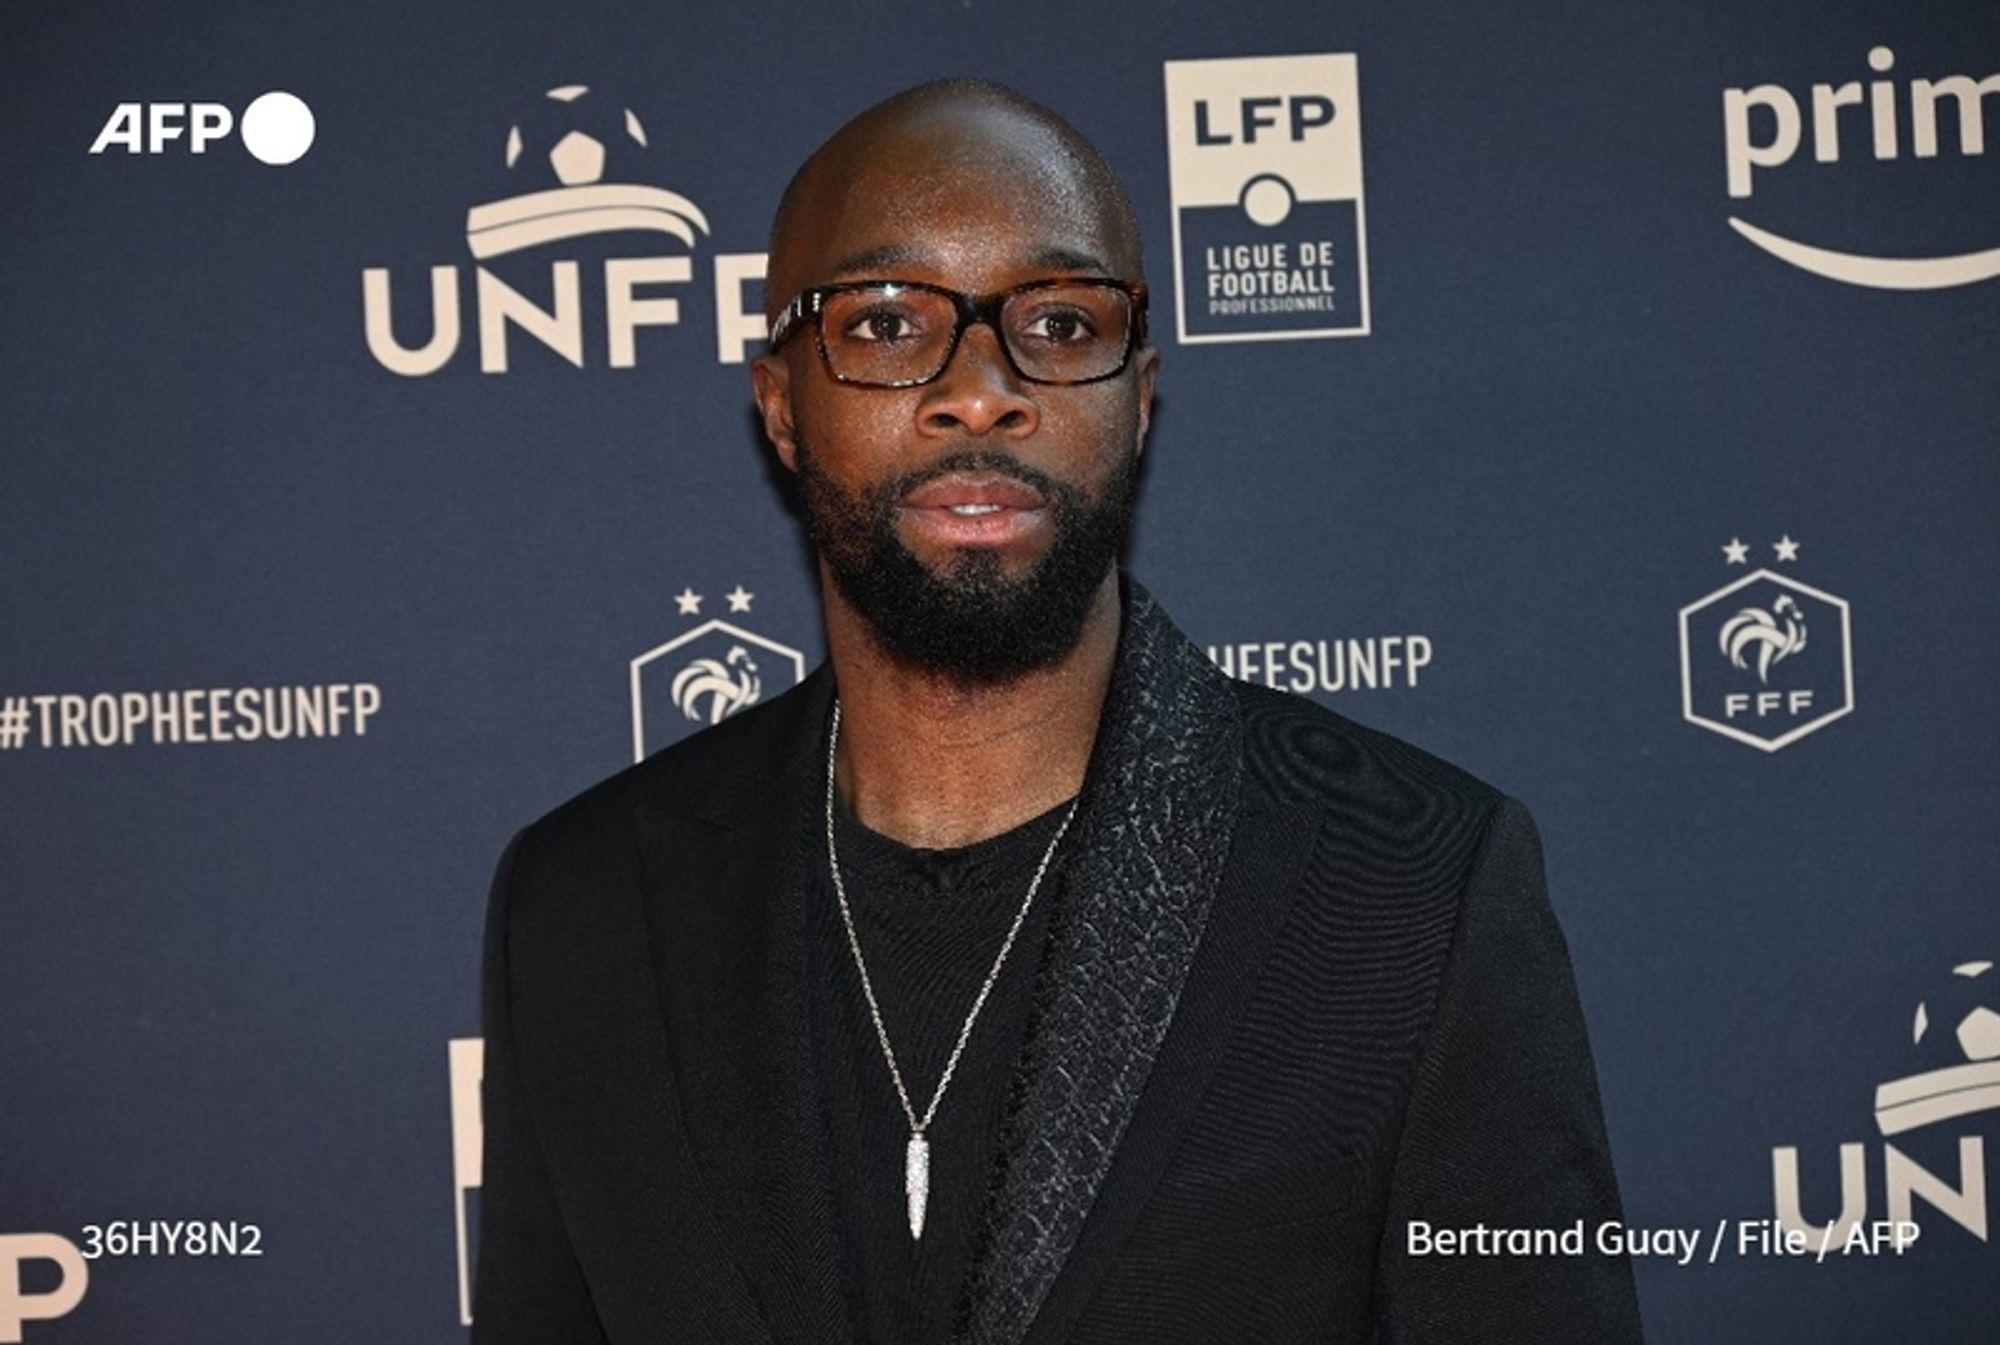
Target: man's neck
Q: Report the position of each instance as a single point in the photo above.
(935, 764)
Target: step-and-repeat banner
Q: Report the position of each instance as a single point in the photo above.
(1604, 396)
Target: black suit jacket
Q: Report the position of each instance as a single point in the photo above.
(1377, 1026)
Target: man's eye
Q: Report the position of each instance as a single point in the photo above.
(881, 324)
(1059, 326)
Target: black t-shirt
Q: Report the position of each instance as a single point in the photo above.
(930, 923)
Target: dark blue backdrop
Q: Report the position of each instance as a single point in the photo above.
(1583, 404)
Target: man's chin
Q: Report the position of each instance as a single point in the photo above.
(973, 624)
(961, 606)
(971, 571)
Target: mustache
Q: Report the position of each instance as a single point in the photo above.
(975, 460)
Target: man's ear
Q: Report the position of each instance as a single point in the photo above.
(1149, 376)
(771, 384)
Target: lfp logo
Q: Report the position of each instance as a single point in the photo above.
(1264, 156)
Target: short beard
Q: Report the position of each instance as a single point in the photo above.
(971, 625)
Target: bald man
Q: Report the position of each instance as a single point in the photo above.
(1018, 976)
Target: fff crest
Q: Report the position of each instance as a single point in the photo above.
(1766, 659)
(704, 675)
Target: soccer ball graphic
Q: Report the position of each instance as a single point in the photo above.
(578, 140)
(1962, 1015)
(1957, 1030)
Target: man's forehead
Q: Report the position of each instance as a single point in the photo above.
(951, 186)
(914, 205)
(931, 254)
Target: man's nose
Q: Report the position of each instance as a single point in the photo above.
(979, 392)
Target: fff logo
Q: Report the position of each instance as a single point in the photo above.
(1765, 659)
(1255, 117)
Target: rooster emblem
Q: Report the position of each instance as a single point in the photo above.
(712, 689)
(1775, 635)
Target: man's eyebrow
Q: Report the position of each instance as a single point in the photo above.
(881, 258)
(1069, 259)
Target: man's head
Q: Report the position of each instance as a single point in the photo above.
(972, 517)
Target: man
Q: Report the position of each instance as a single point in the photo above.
(1018, 976)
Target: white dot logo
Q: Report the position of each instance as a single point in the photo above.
(277, 127)
(1267, 199)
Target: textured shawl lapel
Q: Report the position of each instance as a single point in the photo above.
(1147, 848)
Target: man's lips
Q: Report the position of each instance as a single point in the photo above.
(973, 490)
(974, 508)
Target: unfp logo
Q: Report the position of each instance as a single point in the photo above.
(579, 165)
(277, 128)
(1936, 1113)
(1765, 659)
(704, 675)
(1264, 156)
(19, 1306)
(467, 1056)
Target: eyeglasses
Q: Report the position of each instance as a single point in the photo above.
(901, 333)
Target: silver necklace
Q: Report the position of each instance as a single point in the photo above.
(917, 1156)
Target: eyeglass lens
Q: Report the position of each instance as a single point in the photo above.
(894, 334)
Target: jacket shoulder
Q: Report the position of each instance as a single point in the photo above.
(705, 773)
(1299, 753)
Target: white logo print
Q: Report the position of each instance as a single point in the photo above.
(277, 127)
(467, 1057)
(704, 675)
(1955, 1034)
(582, 204)
(1764, 128)
(1749, 670)
(20, 1305)
(1969, 1026)
(708, 689)
(1265, 159)
(582, 176)
(1775, 635)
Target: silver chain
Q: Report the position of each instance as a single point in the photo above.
(919, 1126)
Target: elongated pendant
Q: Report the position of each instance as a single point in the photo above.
(917, 1181)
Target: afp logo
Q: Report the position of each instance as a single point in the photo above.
(1765, 659)
(1264, 155)
(277, 128)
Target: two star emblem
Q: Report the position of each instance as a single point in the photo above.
(1736, 551)
(690, 602)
